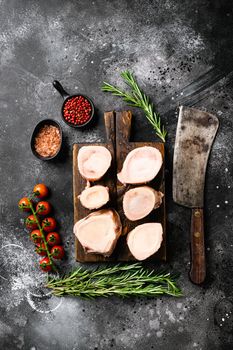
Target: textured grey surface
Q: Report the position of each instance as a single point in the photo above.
(181, 52)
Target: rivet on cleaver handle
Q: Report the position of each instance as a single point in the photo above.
(195, 134)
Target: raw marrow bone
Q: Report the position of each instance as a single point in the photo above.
(141, 165)
(145, 240)
(140, 201)
(94, 197)
(93, 162)
(99, 231)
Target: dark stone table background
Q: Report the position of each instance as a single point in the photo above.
(181, 52)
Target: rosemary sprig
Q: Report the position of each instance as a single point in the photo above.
(137, 98)
(121, 280)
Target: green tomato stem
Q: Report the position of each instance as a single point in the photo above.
(42, 234)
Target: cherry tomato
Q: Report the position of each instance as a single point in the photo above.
(57, 252)
(43, 208)
(41, 191)
(53, 238)
(45, 265)
(49, 224)
(31, 223)
(41, 250)
(36, 236)
(24, 204)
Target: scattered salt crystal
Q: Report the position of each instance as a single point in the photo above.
(159, 334)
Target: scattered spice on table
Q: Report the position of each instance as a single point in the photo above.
(47, 141)
(77, 110)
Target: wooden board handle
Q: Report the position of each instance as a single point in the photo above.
(110, 126)
(123, 122)
(198, 263)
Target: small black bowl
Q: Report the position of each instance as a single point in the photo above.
(35, 132)
(66, 97)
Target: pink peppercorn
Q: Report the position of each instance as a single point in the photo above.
(77, 110)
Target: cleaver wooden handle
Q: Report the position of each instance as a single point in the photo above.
(198, 263)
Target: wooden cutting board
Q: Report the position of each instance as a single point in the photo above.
(118, 128)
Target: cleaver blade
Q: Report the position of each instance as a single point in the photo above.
(195, 134)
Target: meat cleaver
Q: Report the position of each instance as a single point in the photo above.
(195, 134)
